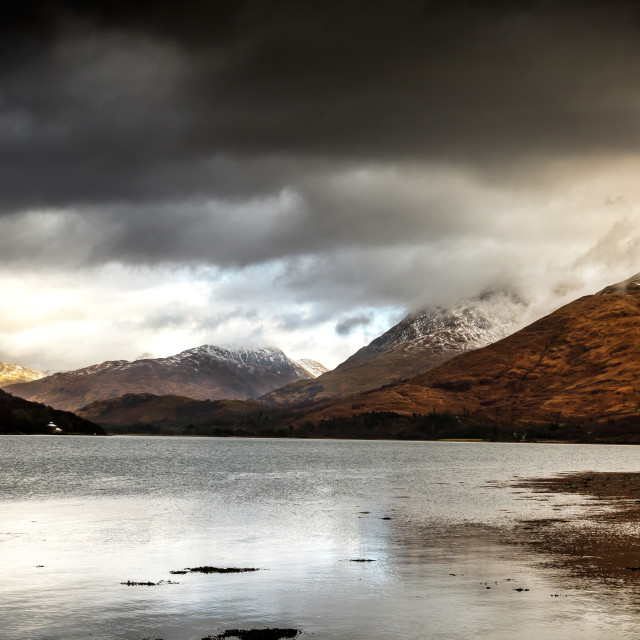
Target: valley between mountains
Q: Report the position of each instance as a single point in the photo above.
(467, 371)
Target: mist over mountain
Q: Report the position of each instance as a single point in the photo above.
(419, 342)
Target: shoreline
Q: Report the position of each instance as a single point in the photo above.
(267, 436)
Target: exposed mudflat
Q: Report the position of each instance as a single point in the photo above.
(600, 539)
(208, 569)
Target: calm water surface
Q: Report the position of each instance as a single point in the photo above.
(79, 516)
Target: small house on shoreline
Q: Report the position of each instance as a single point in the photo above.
(53, 428)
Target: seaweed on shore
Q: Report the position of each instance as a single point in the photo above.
(132, 583)
(361, 560)
(256, 634)
(207, 569)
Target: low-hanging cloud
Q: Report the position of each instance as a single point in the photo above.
(347, 325)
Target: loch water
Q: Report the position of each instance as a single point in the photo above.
(81, 515)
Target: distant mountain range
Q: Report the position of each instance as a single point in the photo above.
(206, 372)
(417, 343)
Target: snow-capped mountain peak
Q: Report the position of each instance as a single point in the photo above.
(463, 326)
(235, 355)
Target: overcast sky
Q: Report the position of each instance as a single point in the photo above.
(303, 173)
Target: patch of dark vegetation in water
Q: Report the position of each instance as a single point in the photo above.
(218, 570)
(361, 560)
(132, 583)
(180, 572)
(256, 634)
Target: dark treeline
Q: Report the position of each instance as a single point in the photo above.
(390, 425)
(372, 425)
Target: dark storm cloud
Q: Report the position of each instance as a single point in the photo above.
(243, 169)
(346, 326)
(365, 209)
(114, 102)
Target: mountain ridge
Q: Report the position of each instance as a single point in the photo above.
(204, 372)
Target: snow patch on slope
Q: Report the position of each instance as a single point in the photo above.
(314, 368)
